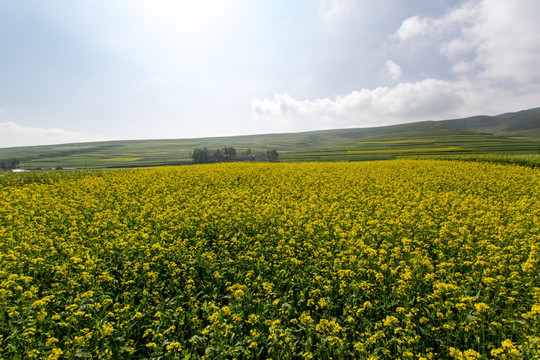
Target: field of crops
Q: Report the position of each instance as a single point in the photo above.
(532, 160)
(376, 260)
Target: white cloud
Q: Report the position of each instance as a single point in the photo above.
(417, 28)
(462, 67)
(12, 134)
(330, 8)
(508, 34)
(429, 99)
(393, 70)
(491, 44)
(456, 48)
(497, 38)
(413, 27)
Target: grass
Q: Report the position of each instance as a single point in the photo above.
(323, 146)
(443, 149)
(122, 159)
(466, 136)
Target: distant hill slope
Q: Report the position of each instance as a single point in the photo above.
(511, 133)
(523, 123)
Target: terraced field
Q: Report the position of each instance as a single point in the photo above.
(516, 133)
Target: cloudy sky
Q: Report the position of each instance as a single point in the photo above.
(86, 70)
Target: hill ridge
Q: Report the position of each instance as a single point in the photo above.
(512, 132)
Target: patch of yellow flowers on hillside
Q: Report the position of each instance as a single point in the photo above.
(378, 260)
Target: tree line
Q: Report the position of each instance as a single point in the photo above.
(8, 164)
(205, 155)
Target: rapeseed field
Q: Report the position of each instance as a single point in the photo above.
(375, 260)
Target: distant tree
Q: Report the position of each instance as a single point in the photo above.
(204, 156)
(9, 164)
(201, 156)
(248, 155)
(216, 155)
(229, 152)
(272, 155)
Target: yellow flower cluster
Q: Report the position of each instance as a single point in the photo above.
(377, 260)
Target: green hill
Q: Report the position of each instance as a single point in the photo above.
(511, 133)
(522, 123)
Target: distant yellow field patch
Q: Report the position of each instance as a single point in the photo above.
(123, 159)
(443, 149)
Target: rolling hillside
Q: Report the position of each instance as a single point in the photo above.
(522, 123)
(511, 133)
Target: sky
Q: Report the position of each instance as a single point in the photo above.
(92, 70)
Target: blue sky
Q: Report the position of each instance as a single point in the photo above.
(90, 70)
